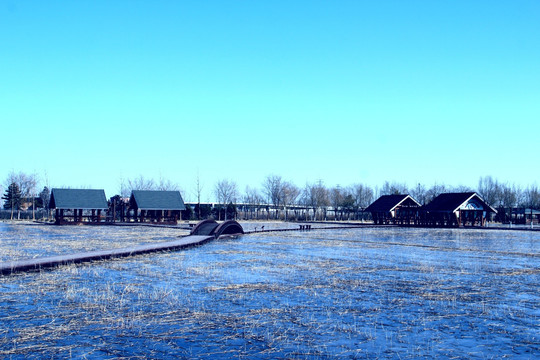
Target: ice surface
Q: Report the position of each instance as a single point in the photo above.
(352, 293)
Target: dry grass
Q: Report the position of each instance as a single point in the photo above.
(24, 241)
(299, 295)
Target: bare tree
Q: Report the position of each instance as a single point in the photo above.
(520, 195)
(253, 199)
(419, 193)
(461, 188)
(139, 183)
(434, 191)
(343, 200)
(508, 195)
(290, 193)
(27, 184)
(363, 195)
(489, 189)
(315, 196)
(273, 189)
(198, 191)
(226, 192)
(167, 185)
(336, 199)
(506, 198)
(273, 186)
(394, 188)
(532, 197)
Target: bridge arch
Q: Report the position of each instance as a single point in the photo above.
(205, 227)
(211, 227)
(229, 227)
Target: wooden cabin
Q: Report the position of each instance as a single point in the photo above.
(456, 209)
(156, 206)
(394, 209)
(78, 206)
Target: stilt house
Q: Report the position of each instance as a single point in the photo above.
(525, 216)
(456, 209)
(156, 206)
(394, 209)
(77, 206)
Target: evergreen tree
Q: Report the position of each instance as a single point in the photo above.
(44, 197)
(12, 197)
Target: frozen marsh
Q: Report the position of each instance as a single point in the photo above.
(351, 293)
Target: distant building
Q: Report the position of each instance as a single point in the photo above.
(156, 206)
(77, 206)
(456, 209)
(394, 209)
(525, 216)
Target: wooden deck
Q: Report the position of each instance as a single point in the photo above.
(10, 267)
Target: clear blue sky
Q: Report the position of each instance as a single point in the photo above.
(342, 91)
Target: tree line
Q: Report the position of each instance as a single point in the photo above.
(24, 191)
(21, 191)
(278, 192)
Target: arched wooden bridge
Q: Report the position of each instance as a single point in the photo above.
(212, 227)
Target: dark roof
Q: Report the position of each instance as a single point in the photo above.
(157, 200)
(450, 202)
(387, 203)
(78, 199)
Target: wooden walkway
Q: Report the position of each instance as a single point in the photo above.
(11, 267)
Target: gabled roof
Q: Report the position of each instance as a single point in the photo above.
(451, 202)
(387, 203)
(78, 199)
(157, 200)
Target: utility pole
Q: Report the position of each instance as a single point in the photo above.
(199, 190)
